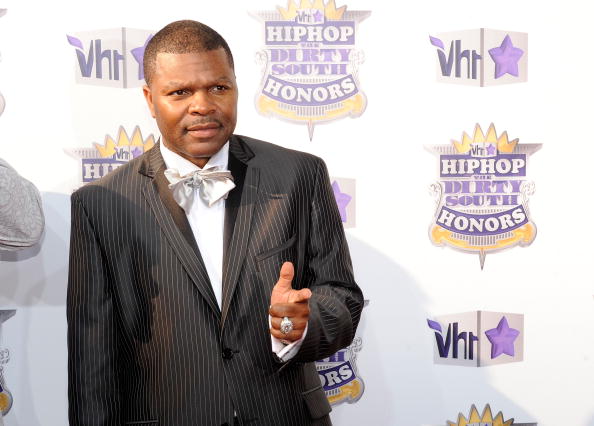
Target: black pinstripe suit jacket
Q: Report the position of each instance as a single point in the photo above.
(147, 342)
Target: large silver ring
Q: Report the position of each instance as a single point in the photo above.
(286, 325)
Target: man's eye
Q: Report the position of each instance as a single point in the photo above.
(179, 92)
(219, 88)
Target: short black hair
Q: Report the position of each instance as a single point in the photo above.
(182, 37)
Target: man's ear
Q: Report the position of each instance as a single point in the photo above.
(148, 95)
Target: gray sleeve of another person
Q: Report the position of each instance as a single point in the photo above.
(21, 214)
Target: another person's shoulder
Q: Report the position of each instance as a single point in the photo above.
(21, 211)
(7, 173)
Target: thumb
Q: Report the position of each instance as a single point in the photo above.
(285, 279)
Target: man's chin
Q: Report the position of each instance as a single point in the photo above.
(202, 150)
(192, 148)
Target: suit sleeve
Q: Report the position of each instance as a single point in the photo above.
(337, 301)
(93, 388)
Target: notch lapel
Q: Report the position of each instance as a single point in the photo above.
(238, 217)
(174, 225)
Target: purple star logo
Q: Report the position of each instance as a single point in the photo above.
(318, 17)
(502, 339)
(491, 149)
(138, 53)
(342, 199)
(137, 152)
(506, 58)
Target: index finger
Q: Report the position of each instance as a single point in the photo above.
(297, 309)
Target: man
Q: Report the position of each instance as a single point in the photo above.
(21, 214)
(186, 308)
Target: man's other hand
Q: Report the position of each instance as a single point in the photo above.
(288, 302)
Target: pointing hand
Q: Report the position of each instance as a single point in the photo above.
(288, 302)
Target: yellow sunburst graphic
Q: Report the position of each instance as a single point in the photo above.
(110, 146)
(503, 143)
(353, 106)
(5, 402)
(523, 236)
(329, 9)
(485, 419)
(352, 391)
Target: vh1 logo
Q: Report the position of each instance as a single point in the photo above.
(111, 58)
(481, 57)
(478, 339)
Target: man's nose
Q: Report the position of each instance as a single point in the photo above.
(201, 104)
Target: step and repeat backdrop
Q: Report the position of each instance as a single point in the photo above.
(458, 136)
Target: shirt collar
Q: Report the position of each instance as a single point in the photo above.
(183, 166)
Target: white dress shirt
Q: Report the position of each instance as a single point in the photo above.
(208, 225)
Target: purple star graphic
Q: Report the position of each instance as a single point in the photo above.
(342, 199)
(491, 149)
(318, 17)
(137, 152)
(138, 53)
(506, 58)
(502, 339)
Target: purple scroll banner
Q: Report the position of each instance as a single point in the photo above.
(503, 165)
(288, 33)
(344, 371)
(311, 94)
(480, 224)
(94, 168)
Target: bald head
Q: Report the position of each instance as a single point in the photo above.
(182, 37)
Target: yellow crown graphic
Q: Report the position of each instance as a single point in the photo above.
(329, 9)
(503, 144)
(109, 147)
(485, 419)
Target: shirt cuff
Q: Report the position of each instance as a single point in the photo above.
(286, 352)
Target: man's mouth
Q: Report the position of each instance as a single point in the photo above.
(205, 130)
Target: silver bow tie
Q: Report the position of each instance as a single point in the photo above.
(212, 185)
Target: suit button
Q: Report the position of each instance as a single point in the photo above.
(227, 353)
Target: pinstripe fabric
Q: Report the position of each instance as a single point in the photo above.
(147, 342)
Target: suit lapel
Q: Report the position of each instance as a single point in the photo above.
(174, 224)
(238, 217)
(177, 213)
(237, 169)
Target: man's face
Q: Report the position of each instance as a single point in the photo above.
(193, 97)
